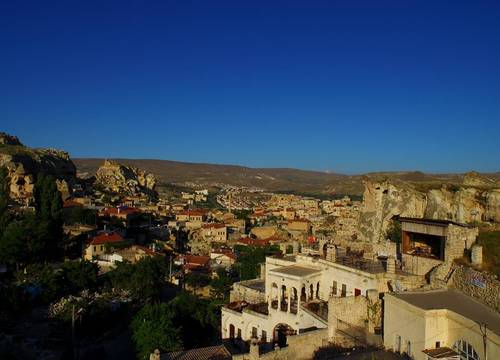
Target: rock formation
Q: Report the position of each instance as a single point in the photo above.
(121, 179)
(476, 199)
(24, 164)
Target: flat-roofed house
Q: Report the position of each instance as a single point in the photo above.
(441, 324)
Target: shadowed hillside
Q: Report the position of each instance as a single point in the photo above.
(274, 179)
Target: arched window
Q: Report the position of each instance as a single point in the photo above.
(466, 351)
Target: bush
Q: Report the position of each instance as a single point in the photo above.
(152, 328)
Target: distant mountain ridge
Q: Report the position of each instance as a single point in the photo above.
(273, 179)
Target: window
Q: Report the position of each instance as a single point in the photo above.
(344, 290)
(438, 344)
(254, 332)
(466, 350)
(334, 288)
(95, 248)
(408, 348)
(357, 292)
(264, 336)
(239, 333)
(397, 344)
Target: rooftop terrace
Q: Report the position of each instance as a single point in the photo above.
(454, 301)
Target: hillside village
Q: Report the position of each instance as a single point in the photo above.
(406, 271)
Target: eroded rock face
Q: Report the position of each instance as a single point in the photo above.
(7, 139)
(24, 164)
(382, 201)
(459, 203)
(121, 179)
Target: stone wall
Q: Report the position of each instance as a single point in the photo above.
(483, 286)
(299, 347)
(240, 292)
(419, 265)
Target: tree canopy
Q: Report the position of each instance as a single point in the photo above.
(152, 328)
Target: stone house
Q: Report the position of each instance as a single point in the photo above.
(214, 232)
(99, 244)
(442, 324)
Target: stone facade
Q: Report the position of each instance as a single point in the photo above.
(480, 285)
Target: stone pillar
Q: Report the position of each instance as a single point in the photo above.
(391, 265)
(477, 255)
(331, 253)
(295, 247)
(263, 271)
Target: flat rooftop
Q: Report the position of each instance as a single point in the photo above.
(435, 222)
(295, 270)
(455, 301)
(259, 285)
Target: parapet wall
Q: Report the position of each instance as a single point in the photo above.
(482, 286)
(300, 347)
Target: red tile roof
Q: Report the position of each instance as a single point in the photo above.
(196, 259)
(106, 238)
(192, 212)
(229, 254)
(71, 203)
(253, 242)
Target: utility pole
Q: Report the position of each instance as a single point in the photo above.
(170, 270)
(73, 331)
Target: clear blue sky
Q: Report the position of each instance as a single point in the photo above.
(345, 86)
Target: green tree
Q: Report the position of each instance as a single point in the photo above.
(221, 285)
(249, 259)
(43, 277)
(144, 279)
(196, 280)
(4, 199)
(198, 320)
(79, 275)
(393, 231)
(48, 206)
(152, 328)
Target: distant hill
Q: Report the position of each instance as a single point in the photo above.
(282, 179)
(273, 179)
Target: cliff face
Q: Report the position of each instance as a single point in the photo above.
(382, 201)
(474, 200)
(24, 164)
(119, 178)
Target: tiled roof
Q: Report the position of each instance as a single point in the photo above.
(255, 242)
(71, 203)
(106, 238)
(196, 259)
(218, 352)
(192, 212)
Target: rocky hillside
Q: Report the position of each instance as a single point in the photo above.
(193, 174)
(476, 198)
(121, 179)
(24, 163)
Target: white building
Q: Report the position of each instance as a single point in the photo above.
(442, 324)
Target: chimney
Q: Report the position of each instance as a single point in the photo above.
(331, 253)
(391, 265)
(477, 255)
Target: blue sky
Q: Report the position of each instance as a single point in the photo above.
(345, 86)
